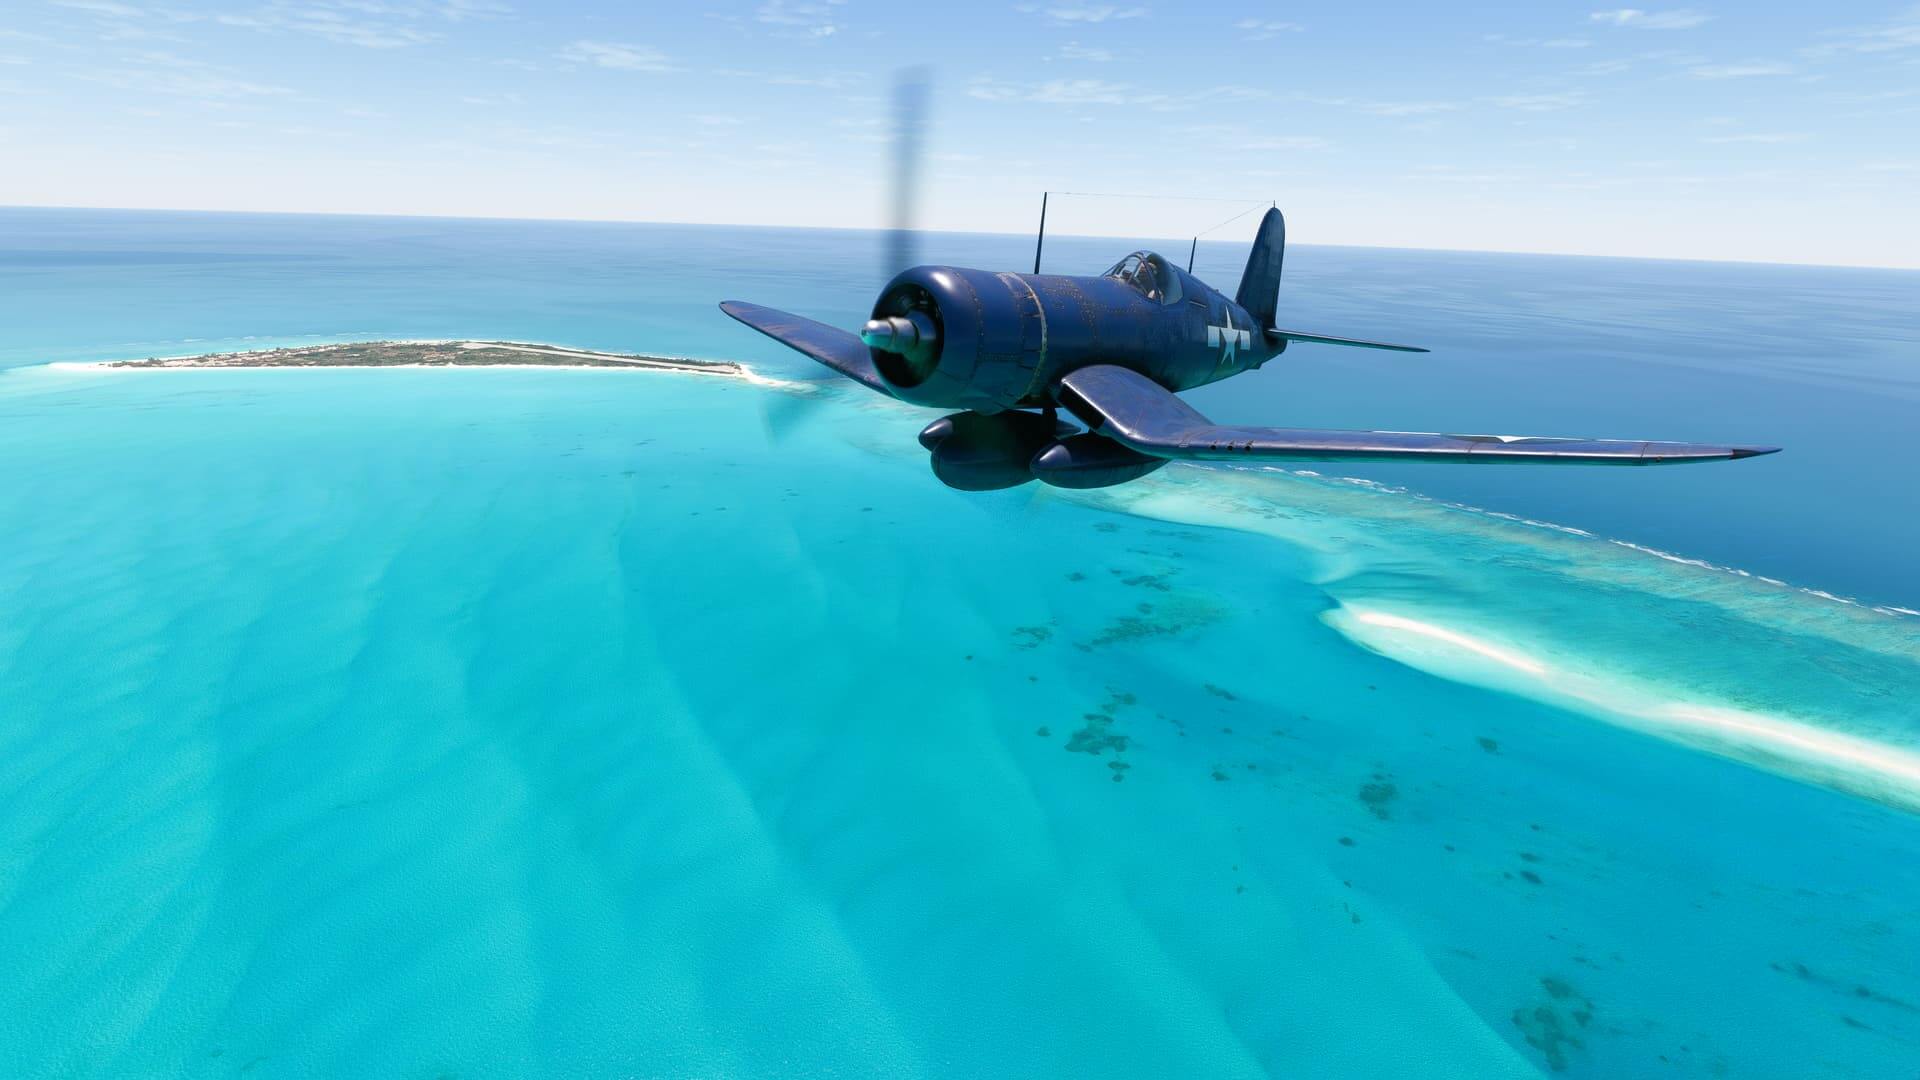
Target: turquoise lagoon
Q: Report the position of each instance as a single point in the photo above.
(581, 723)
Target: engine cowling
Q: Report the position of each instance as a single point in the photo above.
(1087, 460)
(951, 337)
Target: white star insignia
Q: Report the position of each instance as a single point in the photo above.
(1227, 338)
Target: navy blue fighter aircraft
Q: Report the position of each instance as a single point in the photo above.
(1011, 350)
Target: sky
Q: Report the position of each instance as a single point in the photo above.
(1770, 130)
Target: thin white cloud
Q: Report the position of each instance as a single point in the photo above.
(343, 23)
(458, 10)
(1541, 102)
(1239, 138)
(1748, 70)
(1762, 137)
(801, 17)
(103, 7)
(1262, 29)
(116, 21)
(1635, 18)
(1388, 108)
(616, 55)
(1104, 92)
(1258, 143)
(1602, 67)
(165, 73)
(1900, 32)
(1070, 14)
(1873, 97)
(1453, 174)
(1539, 43)
(1073, 50)
(367, 24)
(1065, 92)
(776, 78)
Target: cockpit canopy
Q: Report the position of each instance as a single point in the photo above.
(1150, 274)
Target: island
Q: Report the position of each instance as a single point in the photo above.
(367, 354)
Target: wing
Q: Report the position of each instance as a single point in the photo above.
(1133, 409)
(832, 346)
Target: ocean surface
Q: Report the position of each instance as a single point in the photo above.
(602, 723)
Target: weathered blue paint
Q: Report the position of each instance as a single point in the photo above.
(1113, 350)
(1006, 339)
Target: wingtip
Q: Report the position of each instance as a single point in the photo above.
(1753, 451)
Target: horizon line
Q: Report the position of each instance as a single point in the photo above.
(557, 220)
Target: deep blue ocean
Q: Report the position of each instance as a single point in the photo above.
(616, 723)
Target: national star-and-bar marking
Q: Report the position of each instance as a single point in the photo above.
(1228, 338)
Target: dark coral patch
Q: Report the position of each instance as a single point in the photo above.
(1177, 615)
(1554, 1025)
(1378, 796)
(1027, 637)
(1096, 736)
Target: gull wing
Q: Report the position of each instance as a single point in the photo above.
(1132, 409)
(832, 346)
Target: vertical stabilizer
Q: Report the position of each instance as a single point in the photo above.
(1260, 285)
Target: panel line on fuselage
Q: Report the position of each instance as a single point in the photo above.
(1040, 368)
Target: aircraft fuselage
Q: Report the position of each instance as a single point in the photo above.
(1005, 339)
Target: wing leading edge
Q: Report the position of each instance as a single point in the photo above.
(832, 346)
(1136, 411)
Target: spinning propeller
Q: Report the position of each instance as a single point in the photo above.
(909, 336)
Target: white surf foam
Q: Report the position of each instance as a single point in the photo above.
(1803, 748)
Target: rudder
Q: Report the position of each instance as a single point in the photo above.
(1260, 285)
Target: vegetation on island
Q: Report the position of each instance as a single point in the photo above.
(432, 354)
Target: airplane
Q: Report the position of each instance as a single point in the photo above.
(1011, 351)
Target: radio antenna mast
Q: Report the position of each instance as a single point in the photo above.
(1041, 239)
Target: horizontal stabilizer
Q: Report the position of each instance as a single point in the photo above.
(832, 346)
(1323, 339)
(1139, 413)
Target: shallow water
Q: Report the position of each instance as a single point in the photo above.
(515, 722)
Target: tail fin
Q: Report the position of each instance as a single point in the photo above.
(1260, 285)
